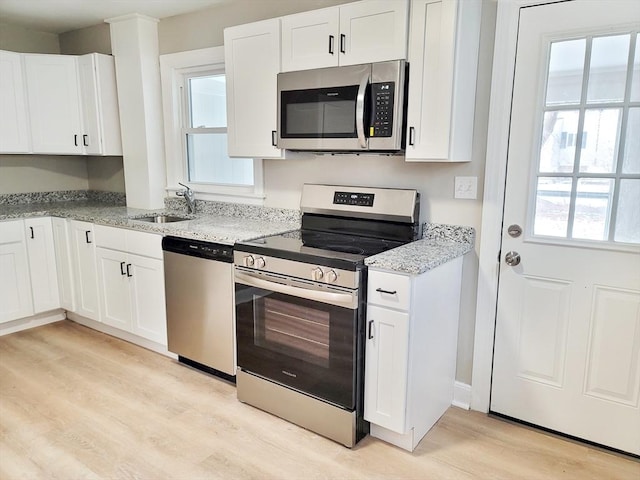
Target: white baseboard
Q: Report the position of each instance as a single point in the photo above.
(31, 322)
(121, 334)
(461, 395)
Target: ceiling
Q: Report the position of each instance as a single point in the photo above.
(59, 16)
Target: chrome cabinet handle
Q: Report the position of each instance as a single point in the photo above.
(512, 259)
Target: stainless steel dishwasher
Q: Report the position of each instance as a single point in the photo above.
(200, 304)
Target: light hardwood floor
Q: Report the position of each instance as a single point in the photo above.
(75, 403)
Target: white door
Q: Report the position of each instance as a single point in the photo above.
(42, 264)
(567, 345)
(114, 272)
(14, 130)
(148, 309)
(54, 104)
(84, 273)
(15, 284)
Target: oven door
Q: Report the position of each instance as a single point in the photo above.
(298, 334)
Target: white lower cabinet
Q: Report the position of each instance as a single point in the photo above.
(63, 252)
(131, 281)
(15, 283)
(85, 279)
(42, 264)
(410, 351)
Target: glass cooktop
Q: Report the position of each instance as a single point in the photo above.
(319, 247)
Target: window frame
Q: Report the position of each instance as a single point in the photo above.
(175, 69)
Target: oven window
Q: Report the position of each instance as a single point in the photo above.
(319, 113)
(299, 331)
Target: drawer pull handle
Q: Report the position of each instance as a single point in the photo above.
(122, 272)
(386, 291)
(128, 271)
(86, 235)
(370, 333)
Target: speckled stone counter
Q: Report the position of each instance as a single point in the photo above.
(238, 225)
(440, 243)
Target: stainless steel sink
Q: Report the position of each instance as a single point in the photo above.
(162, 219)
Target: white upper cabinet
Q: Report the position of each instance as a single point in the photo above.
(360, 32)
(443, 59)
(14, 133)
(101, 135)
(252, 63)
(70, 106)
(54, 104)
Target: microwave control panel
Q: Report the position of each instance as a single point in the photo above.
(382, 95)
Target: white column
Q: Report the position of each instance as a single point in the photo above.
(134, 43)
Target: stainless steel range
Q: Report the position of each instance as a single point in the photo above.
(300, 306)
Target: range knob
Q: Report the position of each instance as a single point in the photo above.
(249, 261)
(260, 262)
(317, 274)
(331, 276)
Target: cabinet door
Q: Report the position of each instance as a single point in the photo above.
(15, 284)
(310, 40)
(54, 104)
(443, 54)
(373, 31)
(14, 133)
(84, 270)
(101, 119)
(252, 63)
(149, 316)
(113, 283)
(386, 365)
(42, 264)
(62, 244)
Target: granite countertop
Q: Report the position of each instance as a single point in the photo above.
(439, 244)
(229, 223)
(222, 227)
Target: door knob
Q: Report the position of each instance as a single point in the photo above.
(512, 259)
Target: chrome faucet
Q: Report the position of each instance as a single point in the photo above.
(190, 196)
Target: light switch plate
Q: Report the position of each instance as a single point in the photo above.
(466, 187)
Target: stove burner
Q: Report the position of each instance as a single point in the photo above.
(345, 249)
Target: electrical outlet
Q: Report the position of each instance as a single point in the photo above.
(466, 187)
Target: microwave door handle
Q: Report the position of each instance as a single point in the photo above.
(362, 90)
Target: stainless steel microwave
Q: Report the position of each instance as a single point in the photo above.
(358, 108)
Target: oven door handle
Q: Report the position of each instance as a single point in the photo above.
(362, 91)
(346, 300)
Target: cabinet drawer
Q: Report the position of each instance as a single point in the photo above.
(145, 244)
(11, 231)
(110, 237)
(389, 290)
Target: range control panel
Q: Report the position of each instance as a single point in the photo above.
(353, 198)
(382, 112)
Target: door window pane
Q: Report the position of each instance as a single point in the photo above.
(210, 163)
(593, 209)
(566, 65)
(631, 158)
(553, 198)
(635, 83)
(628, 212)
(207, 100)
(608, 69)
(599, 150)
(559, 137)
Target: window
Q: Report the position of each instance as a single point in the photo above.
(194, 103)
(588, 177)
